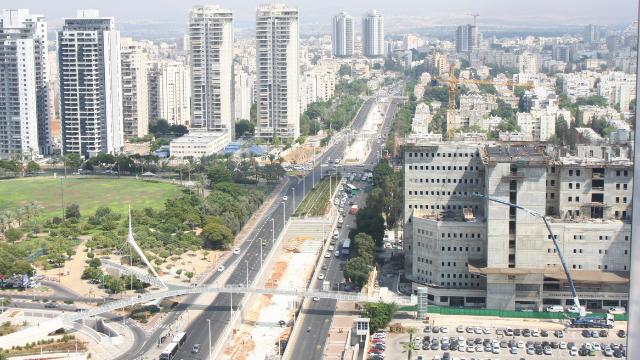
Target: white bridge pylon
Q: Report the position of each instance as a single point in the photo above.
(135, 247)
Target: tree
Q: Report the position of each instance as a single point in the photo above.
(218, 173)
(409, 348)
(357, 271)
(363, 243)
(217, 234)
(381, 170)
(189, 275)
(72, 160)
(32, 167)
(72, 211)
(379, 314)
(12, 235)
(244, 127)
(411, 330)
(372, 223)
(94, 263)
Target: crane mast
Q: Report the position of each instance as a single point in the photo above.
(581, 310)
(453, 82)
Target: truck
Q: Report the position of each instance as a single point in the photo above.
(354, 209)
(345, 247)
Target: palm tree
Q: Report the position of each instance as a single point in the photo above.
(272, 157)
(411, 331)
(53, 163)
(36, 207)
(10, 217)
(409, 348)
(28, 209)
(203, 180)
(90, 293)
(4, 222)
(21, 214)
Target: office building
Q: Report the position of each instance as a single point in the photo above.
(135, 104)
(372, 34)
(466, 38)
(470, 252)
(212, 80)
(342, 35)
(197, 144)
(278, 72)
(25, 123)
(170, 92)
(90, 85)
(591, 33)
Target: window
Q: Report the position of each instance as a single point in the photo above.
(626, 173)
(624, 186)
(553, 183)
(553, 169)
(617, 186)
(577, 198)
(624, 200)
(570, 185)
(570, 172)
(617, 200)
(577, 172)
(569, 199)
(553, 195)
(618, 173)
(577, 186)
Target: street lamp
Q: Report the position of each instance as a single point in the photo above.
(273, 232)
(62, 195)
(34, 288)
(104, 290)
(210, 347)
(247, 261)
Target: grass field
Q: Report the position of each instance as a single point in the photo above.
(88, 193)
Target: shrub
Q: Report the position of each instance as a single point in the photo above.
(57, 220)
(68, 302)
(397, 328)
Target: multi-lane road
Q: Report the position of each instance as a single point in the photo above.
(219, 311)
(318, 315)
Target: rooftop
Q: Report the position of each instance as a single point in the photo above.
(513, 154)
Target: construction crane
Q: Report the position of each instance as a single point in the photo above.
(581, 320)
(453, 85)
(474, 18)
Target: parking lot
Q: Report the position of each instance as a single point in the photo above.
(396, 341)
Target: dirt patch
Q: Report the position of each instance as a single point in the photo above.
(276, 275)
(262, 302)
(239, 350)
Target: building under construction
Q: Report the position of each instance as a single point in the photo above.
(470, 252)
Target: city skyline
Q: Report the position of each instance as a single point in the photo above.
(570, 12)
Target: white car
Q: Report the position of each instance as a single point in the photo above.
(285, 198)
(496, 350)
(331, 248)
(573, 352)
(340, 209)
(236, 251)
(444, 329)
(327, 255)
(316, 299)
(341, 188)
(337, 253)
(486, 331)
(587, 346)
(478, 330)
(220, 268)
(462, 347)
(563, 345)
(596, 346)
(320, 276)
(521, 344)
(460, 329)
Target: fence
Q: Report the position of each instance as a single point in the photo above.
(35, 255)
(506, 314)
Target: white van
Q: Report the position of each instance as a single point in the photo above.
(555, 308)
(336, 234)
(617, 310)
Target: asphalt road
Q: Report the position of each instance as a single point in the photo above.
(319, 313)
(219, 311)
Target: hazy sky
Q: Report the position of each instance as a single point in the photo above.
(572, 12)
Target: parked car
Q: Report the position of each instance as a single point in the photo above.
(52, 305)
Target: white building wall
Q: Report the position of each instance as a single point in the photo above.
(211, 60)
(90, 72)
(372, 34)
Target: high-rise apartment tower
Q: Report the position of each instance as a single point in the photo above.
(25, 125)
(278, 72)
(372, 34)
(90, 85)
(135, 97)
(212, 85)
(342, 35)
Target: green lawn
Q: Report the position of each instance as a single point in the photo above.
(88, 193)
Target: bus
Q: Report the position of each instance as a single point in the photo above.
(350, 189)
(345, 247)
(180, 339)
(169, 352)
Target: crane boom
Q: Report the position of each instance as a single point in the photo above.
(576, 301)
(453, 81)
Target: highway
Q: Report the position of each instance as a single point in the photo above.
(319, 314)
(219, 310)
